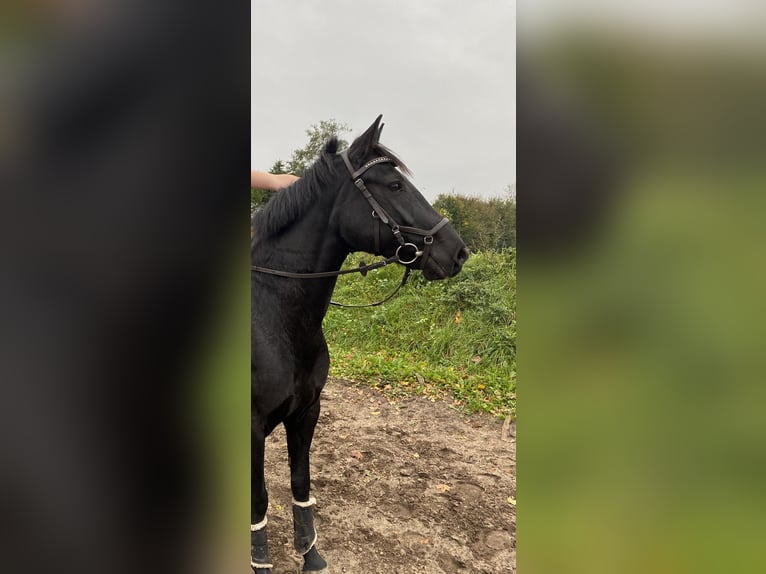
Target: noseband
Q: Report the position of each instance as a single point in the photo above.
(378, 214)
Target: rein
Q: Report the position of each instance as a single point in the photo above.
(378, 214)
(362, 269)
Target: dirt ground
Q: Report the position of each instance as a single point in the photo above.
(402, 487)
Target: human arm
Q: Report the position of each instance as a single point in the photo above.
(271, 181)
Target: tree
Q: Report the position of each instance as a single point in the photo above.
(278, 167)
(318, 135)
(484, 224)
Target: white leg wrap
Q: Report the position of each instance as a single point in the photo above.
(256, 565)
(310, 502)
(260, 526)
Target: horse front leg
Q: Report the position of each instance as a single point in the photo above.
(259, 503)
(300, 432)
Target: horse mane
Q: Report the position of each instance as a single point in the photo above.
(289, 204)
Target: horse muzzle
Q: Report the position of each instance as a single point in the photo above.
(438, 267)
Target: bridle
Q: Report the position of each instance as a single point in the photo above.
(378, 214)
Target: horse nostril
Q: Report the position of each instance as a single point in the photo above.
(460, 258)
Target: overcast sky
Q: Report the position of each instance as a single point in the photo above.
(442, 73)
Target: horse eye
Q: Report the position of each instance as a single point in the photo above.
(395, 186)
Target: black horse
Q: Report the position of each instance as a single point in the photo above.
(358, 200)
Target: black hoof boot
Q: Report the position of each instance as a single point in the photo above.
(313, 562)
(259, 552)
(306, 537)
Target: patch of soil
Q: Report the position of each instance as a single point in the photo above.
(402, 487)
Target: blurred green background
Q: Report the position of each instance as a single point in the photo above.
(221, 407)
(642, 436)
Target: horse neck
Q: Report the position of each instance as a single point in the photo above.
(309, 245)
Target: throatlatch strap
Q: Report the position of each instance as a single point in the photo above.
(376, 232)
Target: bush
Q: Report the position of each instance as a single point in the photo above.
(454, 338)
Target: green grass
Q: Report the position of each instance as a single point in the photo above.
(453, 339)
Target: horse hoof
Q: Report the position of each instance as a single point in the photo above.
(313, 562)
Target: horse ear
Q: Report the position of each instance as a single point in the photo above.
(377, 136)
(364, 144)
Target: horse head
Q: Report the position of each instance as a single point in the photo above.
(379, 210)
